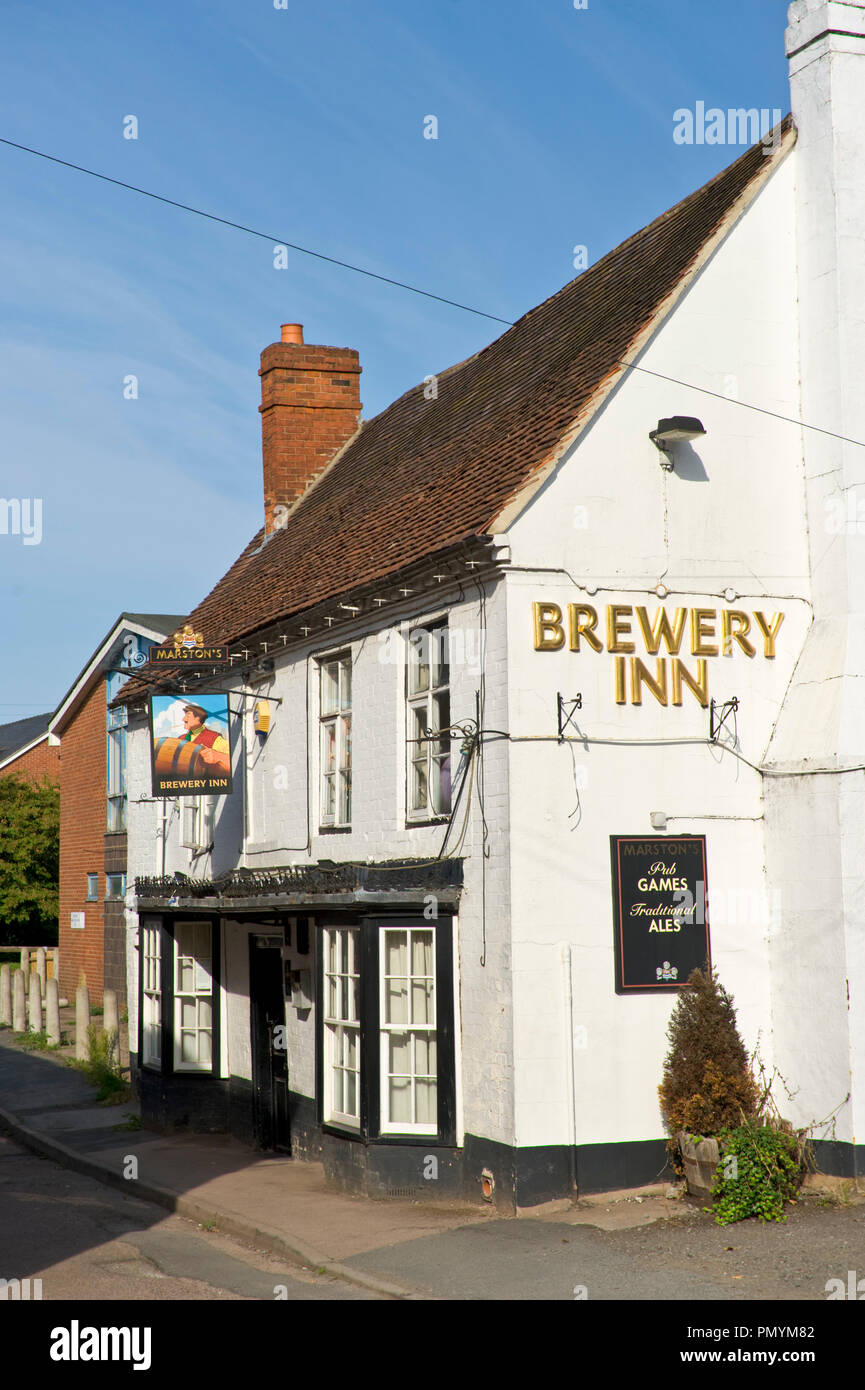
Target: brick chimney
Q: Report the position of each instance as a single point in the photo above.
(310, 407)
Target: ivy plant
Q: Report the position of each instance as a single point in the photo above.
(759, 1171)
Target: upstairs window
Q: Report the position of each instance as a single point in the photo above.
(197, 823)
(115, 887)
(336, 741)
(116, 776)
(429, 717)
(92, 887)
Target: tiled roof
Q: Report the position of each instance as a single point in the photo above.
(428, 474)
(23, 731)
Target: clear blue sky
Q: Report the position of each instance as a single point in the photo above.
(555, 129)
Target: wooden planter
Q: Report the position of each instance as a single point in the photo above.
(701, 1159)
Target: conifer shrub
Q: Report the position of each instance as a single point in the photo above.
(707, 1086)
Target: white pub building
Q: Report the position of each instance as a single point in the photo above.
(546, 685)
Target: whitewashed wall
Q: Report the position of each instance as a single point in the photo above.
(607, 528)
(270, 804)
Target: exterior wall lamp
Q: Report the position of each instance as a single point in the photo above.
(676, 430)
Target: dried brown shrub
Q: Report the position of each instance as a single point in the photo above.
(707, 1085)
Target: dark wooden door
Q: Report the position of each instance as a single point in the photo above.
(269, 1054)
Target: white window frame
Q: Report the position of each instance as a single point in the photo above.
(196, 823)
(429, 649)
(151, 994)
(92, 882)
(197, 965)
(335, 724)
(341, 1023)
(415, 1030)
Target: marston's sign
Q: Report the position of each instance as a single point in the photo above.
(186, 646)
(553, 631)
(659, 909)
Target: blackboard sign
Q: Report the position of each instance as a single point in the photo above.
(660, 911)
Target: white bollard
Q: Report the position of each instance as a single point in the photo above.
(25, 966)
(41, 970)
(109, 1010)
(19, 1003)
(5, 994)
(52, 1012)
(35, 1004)
(82, 1023)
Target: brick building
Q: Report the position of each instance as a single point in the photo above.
(90, 744)
(26, 752)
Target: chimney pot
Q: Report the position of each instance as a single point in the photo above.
(293, 333)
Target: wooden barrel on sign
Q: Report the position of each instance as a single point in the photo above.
(174, 757)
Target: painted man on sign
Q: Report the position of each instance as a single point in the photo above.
(214, 748)
(191, 745)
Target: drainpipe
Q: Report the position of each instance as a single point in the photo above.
(569, 1065)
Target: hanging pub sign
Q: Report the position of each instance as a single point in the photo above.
(191, 746)
(659, 909)
(187, 647)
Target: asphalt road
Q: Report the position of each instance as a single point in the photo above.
(686, 1259)
(89, 1242)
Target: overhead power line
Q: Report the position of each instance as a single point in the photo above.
(251, 231)
(413, 289)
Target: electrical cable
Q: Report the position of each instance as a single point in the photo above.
(666, 742)
(413, 289)
(251, 231)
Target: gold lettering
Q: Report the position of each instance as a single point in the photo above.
(583, 619)
(640, 676)
(619, 628)
(700, 629)
(548, 618)
(699, 687)
(620, 681)
(769, 633)
(729, 635)
(661, 631)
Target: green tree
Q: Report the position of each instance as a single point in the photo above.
(29, 859)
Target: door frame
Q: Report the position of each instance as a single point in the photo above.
(270, 1113)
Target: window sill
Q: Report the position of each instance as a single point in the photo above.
(334, 830)
(338, 1132)
(407, 1140)
(435, 820)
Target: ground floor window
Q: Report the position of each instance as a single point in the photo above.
(341, 1026)
(408, 1030)
(386, 1037)
(193, 997)
(179, 995)
(151, 1006)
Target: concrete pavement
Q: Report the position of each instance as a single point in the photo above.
(273, 1203)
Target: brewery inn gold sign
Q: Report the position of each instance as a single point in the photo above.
(627, 630)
